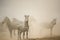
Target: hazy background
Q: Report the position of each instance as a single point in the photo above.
(42, 11)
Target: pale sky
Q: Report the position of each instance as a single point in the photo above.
(42, 11)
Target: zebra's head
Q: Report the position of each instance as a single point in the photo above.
(26, 17)
(54, 21)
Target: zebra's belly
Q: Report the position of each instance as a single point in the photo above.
(23, 29)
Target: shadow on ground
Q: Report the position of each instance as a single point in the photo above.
(48, 38)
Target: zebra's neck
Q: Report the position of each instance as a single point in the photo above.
(8, 23)
(26, 24)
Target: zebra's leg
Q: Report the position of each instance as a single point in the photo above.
(27, 34)
(51, 32)
(11, 33)
(18, 34)
(14, 32)
(23, 35)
